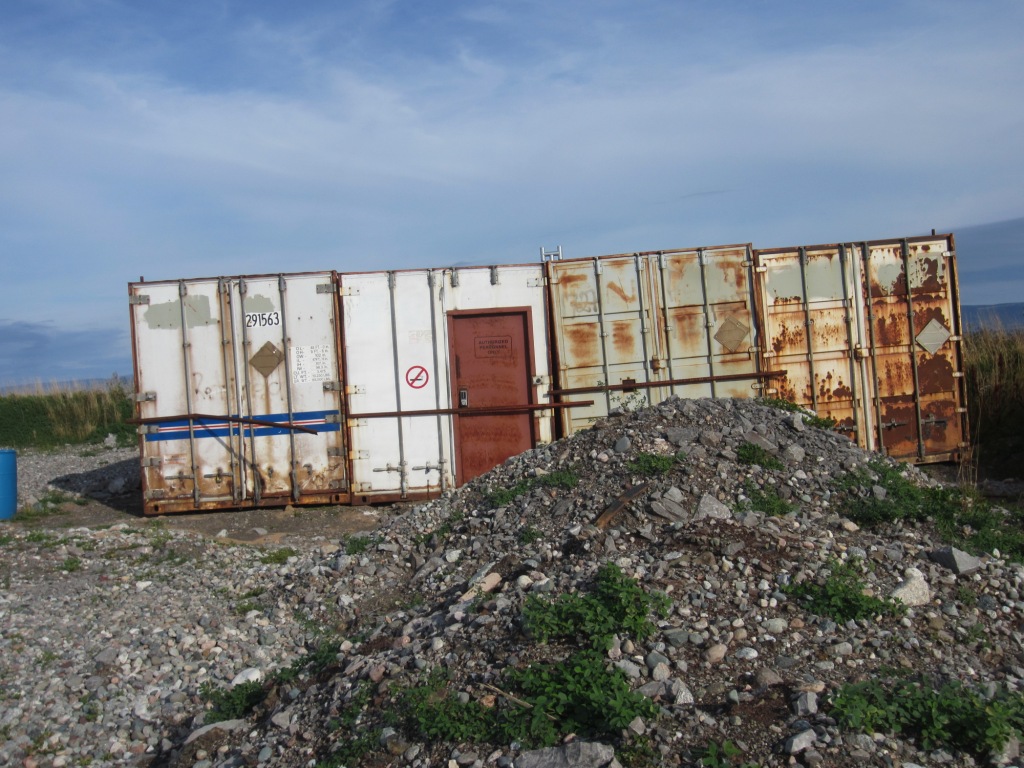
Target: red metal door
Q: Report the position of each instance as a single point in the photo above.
(491, 374)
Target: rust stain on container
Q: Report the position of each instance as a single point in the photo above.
(789, 338)
(623, 340)
(934, 373)
(617, 290)
(890, 329)
(927, 310)
(690, 333)
(899, 434)
(583, 344)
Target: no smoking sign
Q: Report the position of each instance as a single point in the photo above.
(417, 377)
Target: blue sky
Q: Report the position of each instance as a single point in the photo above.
(188, 139)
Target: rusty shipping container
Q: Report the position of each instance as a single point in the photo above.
(327, 387)
(870, 334)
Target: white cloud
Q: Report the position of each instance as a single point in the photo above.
(656, 127)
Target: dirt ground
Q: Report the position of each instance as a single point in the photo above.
(298, 527)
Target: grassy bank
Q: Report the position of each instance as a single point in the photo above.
(54, 416)
(994, 364)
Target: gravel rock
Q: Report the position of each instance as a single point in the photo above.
(101, 671)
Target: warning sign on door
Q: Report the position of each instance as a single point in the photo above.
(493, 346)
(417, 377)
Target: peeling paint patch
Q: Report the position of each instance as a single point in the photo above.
(167, 315)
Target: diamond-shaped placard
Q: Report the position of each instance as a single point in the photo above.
(731, 334)
(266, 359)
(933, 336)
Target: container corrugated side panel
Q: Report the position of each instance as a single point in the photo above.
(811, 332)
(606, 324)
(286, 353)
(711, 321)
(680, 322)
(391, 367)
(914, 324)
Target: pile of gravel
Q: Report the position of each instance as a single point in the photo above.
(108, 636)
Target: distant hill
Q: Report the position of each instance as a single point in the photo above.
(989, 315)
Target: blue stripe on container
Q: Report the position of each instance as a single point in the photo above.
(178, 429)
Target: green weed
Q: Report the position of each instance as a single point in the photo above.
(502, 497)
(46, 658)
(357, 545)
(960, 517)
(581, 695)
(650, 464)
(323, 656)
(767, 500)
(616, 605)
(841, 595)
(562, 478)
(750, 453)
(723, 755)
(529, 534)
(278, 556)
(71, 564)
(947, 716)
(230, 703)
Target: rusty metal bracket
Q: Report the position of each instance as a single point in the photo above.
(614, 509)
(668, 383)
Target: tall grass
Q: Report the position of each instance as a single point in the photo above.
(994, 364)
(58, 415)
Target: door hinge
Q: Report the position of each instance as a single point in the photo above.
(333, 386)
(325, 288)
(145, 397)
(152, 461)
(354, 389)
(358, 455)
(138, 298)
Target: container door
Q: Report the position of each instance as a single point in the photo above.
(287, 353)
(186, 387)
(226, 369)
(909, 289)
(808, 297)
(490, 363)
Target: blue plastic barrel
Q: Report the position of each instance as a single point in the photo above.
(8, 483)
